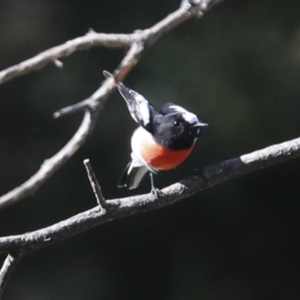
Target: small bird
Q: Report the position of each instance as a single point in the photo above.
(163, 140)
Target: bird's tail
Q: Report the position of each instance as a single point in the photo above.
(132, 176)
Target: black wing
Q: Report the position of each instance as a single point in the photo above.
(140, 109)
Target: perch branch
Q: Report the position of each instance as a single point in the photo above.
(118, 208)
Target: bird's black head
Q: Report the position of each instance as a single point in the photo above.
(176, 128)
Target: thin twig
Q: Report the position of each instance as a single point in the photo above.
(91, 39)
(207, 178)
(52, 164)
(95, 185)
(127, 63)
(6, 270)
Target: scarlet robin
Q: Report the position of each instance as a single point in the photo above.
(163, 140)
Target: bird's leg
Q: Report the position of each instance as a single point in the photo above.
(156, 192)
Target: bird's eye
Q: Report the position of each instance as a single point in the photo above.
(176, 123)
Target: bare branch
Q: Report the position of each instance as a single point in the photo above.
(6, 270)
(92, 39)
(95, 185)
(187, 10)
(127, 63)
(52, 164)
(140, 40)
(118, 208)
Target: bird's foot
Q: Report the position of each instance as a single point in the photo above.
(157, 193)
(154, 191)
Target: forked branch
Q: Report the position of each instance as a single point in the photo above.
(187, 10)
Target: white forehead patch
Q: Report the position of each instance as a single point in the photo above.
(188, 116)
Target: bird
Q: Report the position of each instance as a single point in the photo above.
(163, 140)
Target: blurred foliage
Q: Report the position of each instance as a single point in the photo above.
(238, 68)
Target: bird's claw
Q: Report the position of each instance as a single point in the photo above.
(157, 193)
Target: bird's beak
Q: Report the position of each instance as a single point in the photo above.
(196, 128)
(200, 124)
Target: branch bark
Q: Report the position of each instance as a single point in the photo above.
(117, 208)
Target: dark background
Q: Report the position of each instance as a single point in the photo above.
(238, 68)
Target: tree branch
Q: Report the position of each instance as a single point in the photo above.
(6, 270)
(93, 102)
(187, 10)
(91, 39)
(52, 164)
(123, 207)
